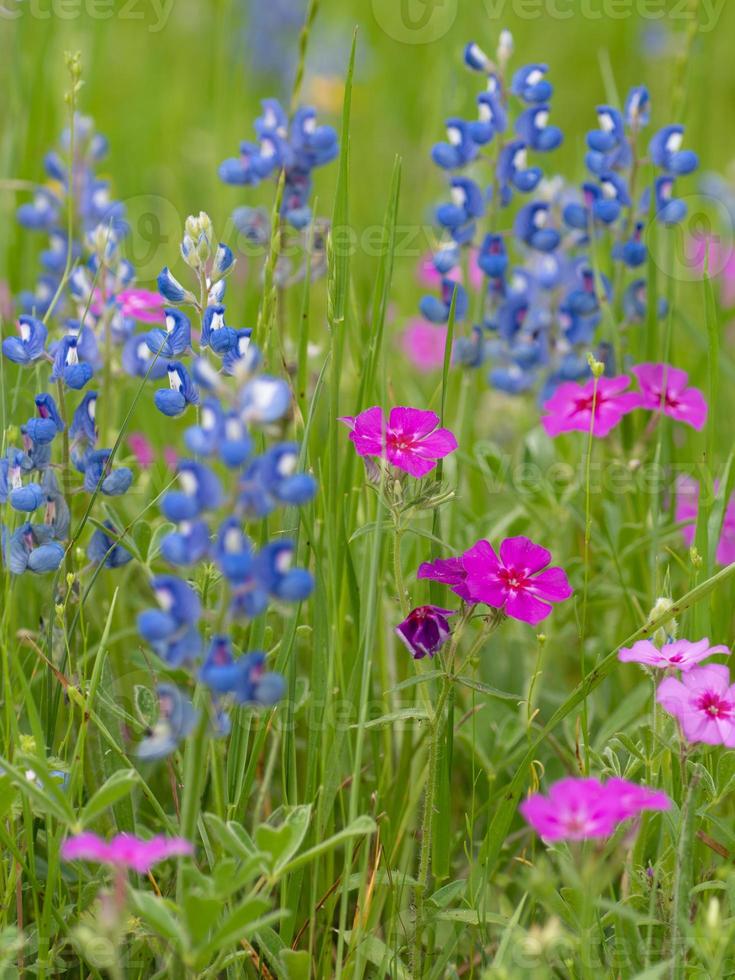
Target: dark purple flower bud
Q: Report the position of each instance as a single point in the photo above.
(425, 630)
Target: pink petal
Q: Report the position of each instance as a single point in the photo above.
(526, 607)
(436, 446)
(410, 462)
(642, 652)
(552, 585)
(522, 554)
(488, 589)
(412, 423)
(480, 560)
(85, 847)
(691, 408)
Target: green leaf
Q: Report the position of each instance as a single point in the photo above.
(159, 914)
(121, 783)
(297, 964)
(360, 827)
(405, 714)
(281, 843)
(491, 692)
(239, 924)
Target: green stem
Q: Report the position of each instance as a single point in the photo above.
(403, 598)
(195, 773)
(585, 594)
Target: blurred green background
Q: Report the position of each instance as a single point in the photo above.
(175, 85)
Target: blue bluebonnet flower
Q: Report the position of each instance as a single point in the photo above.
(171, 288)
(83, 428)
(175, 339)
(138, 361)
(105, 548)
(96, 467)
(214, 502)
(188, 545)
(177, 718)
(215, 333)
(458, 216)
(181, 392)
(437, 309)
(460, 147)
(531, 85)
(513, 170)
(200, 491)
(667, 154)
(30, 345)
(534, 129)
(68, 367)
(264, 400)
(531, 226)
(538, 304)
(31, 549)
(294, 148)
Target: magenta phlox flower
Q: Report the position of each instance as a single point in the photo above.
(424, 344)
(665, 388)
(578, 809)
(124, 850)
(703, 702)
(570, 408)
(448, 571)
(516, 580)
(680, 654)
(410, 440)
(425, 630)
(687, 509)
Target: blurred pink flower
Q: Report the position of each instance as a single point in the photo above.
(142, 449)
(680, 654)
(665, 387)
(141, 305)
(124, 850)
(410, 441)
(424, 344)
(577, 809)
(687, 509)
(703, 701)
(711, 253)
(570, 407)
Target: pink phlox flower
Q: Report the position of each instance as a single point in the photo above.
(687, 509)
(141, 305)
(680, 654)
(709, 253)
(570, 407)
(517, 580)
(703, 701)
(424, 344)
(664, 388)
(411, 440)
(577, 809)
(448, 571)
(142, 449)
(124, 850)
